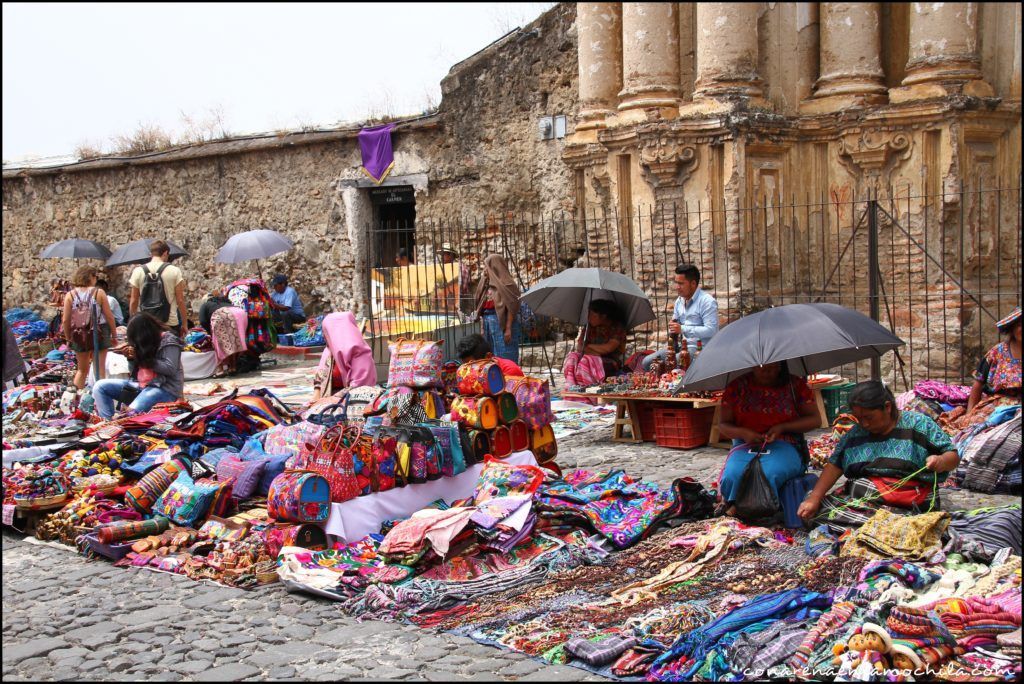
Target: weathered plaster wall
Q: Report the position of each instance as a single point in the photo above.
(479, 153)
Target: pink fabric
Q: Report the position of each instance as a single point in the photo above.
(583, 369)
(352, 356)
(241, 325)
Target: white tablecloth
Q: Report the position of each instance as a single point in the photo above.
(198, 365)
(352, 520)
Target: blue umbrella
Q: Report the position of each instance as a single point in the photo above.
(253, 244)
(809, 337)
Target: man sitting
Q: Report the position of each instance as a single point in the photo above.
(475, 348)
(287, 307)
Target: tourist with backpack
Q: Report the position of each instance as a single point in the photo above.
(158, 288)
(88, 323)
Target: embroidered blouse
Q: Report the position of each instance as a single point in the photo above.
(999, 371)
(760, 408)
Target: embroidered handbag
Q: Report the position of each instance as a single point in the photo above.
(416, 363)
(185, 501)
(449, 444)
(432, 403)
(520, 435)
(481, 443)
(146, 491)
(450, 377)
(307, 536)
(508, 410)
(501, 442)
(533, 396)
(480, 377)
(480, 413)
(391, 464)
(287, 440)
(543, 444)
(332, 458)
(299, 496)
(359, 400)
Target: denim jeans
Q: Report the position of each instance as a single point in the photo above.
(106, 392)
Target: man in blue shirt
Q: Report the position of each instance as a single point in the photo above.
(287, 307)
(695, 315)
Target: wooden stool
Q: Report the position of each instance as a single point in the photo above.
(625, 415)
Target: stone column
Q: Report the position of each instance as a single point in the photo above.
(1015, 77)
(599, 28)
(943, 43)
(727, 50)
(650, 55)
(851, 49)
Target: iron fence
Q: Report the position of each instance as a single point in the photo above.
(938, 270)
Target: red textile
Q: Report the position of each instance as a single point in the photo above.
(508, 368)
(759, 408)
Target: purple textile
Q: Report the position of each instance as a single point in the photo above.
(378, 157)
(940, 391)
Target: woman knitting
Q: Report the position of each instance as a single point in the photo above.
(892, 459)
(497, 304)
(765, 411)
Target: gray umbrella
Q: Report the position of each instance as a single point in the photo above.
(253, 244)
(567, 295)
(810, 337)
(75, 248)
(138, 252)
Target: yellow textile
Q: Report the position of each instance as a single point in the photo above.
(889, 535)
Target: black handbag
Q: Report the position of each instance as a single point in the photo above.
(755, 498)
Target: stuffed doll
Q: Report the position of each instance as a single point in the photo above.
(863, 657)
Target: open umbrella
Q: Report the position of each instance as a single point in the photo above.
(253, 244)
(138, 252)
(810, 337)
(75, 248)
(568, 294)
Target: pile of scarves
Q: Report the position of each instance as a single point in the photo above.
(618, 507)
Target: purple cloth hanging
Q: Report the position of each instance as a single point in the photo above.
(378, 157)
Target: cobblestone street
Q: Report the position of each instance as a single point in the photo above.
(68, 618)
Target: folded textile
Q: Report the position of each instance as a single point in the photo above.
(889, 535)
(598, 653)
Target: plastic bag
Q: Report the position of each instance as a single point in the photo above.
(756, 499)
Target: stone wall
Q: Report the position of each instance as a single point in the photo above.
(479, 152)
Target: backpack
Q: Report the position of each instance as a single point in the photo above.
(153, 299)
(82, 319)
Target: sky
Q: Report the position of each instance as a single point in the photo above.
(79, 75)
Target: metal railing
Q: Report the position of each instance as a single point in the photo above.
(938, 270)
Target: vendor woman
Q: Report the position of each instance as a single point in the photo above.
(891, 458)
(997, 380)
(766, 410)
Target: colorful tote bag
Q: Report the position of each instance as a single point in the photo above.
(299, 496)
(448, 440)
(533, 396)
(543, 444)
(287, 440)
(508, 410)
(306, 536)
(480, 413)
(501, 442)
(146, 491)
(185, 501)
(432, 403)
(520, 435)
(480, 377)
(416, 363)
(332, 458)
(450, 377)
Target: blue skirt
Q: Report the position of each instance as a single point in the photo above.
(496, 337)
(781, 464)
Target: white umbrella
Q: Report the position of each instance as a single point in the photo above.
(253, 244)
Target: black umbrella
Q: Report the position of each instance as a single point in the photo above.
(138, 252)
(253, 244)
(810, 337)
(568, 294)
(75, 248)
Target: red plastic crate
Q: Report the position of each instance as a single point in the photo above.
(645, 418)
(682, 428)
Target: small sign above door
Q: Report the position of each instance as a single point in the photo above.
(398, 194)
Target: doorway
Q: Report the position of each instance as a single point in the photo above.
(394, 225)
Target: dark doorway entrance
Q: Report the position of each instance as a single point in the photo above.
(394, 209)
